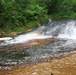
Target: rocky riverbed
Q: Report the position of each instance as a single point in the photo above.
(62, 65)
(48, 50)
(58, 66)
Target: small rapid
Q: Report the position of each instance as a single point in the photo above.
(64, 31)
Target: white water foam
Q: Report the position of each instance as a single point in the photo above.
(69, 31)
(6, 38)
(27, 37)
(56, 29)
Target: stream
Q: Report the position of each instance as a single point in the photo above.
(64, 31)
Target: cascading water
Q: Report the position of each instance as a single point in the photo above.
(60, 29)
(69, 31)
(64, 31)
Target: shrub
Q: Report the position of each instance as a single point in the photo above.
(35, 12)
(12, 15)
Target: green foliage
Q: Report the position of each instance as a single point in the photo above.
(17, 13)
(12, 16)
(25, 14)
(35, 12)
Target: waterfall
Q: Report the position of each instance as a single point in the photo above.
(69, 31)
(65, 43)
(65, 29)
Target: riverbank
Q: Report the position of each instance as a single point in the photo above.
(13, 33)
(62, 66)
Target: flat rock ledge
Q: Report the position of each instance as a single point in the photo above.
(62, 66)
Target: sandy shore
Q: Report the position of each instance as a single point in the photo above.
(62, 66)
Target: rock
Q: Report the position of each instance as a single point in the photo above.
(12, 34)
(1, 41)
(59, 66)
(29, 30)
(39, 25)
(33, 43)
(2, 33)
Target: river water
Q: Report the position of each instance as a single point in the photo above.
(64, 31)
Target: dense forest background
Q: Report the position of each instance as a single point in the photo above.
(20, 15)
